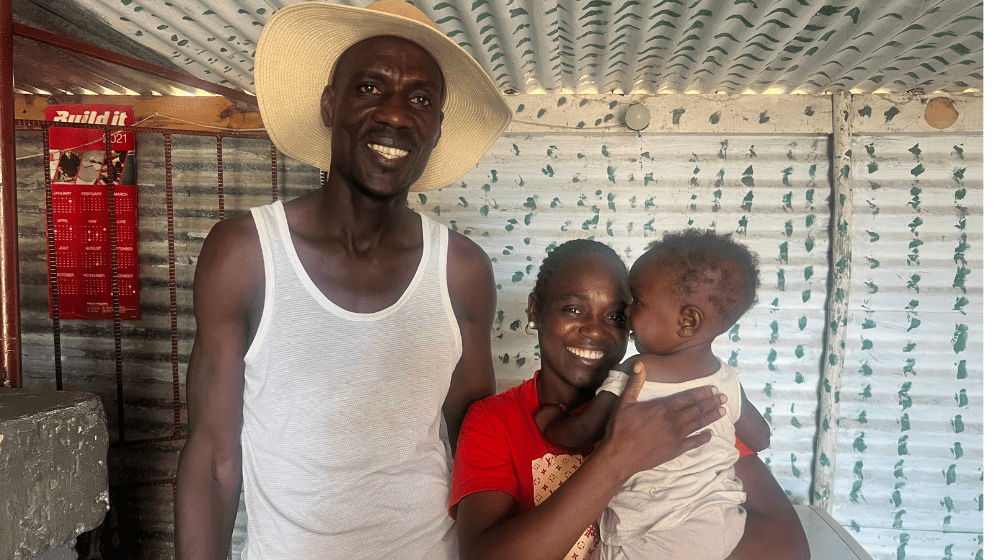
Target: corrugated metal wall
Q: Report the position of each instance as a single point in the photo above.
(533, 191)
(910, 412)
(910, 448)
(141, 523)
(909, 465)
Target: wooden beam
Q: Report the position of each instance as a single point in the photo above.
(736, 114)
(176, 112)
(837, 305)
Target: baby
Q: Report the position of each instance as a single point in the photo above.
(687, 289)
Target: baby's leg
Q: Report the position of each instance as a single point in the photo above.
(711, 534)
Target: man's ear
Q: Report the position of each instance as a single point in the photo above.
(690, 321)
(326, 105)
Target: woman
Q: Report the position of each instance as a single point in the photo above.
(512, 493)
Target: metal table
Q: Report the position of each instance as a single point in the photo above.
(828, 540)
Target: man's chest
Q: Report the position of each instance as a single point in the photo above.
(360, 283)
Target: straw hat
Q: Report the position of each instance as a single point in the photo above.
(300, 45)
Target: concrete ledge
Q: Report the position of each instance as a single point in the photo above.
(53, 456)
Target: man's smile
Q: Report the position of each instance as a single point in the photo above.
(387, 152)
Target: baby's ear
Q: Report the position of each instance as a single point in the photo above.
(691, 321)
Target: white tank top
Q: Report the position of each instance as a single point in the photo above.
(342, 452)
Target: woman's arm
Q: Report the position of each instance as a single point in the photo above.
(751, 428)
(773, 530)
(639, 436)
(490, 525)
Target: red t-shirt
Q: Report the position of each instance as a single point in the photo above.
(501, 449)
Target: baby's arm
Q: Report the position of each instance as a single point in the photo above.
(581, 430)
(547, 413)
(751, 428)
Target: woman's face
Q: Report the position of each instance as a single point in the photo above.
(582, 329)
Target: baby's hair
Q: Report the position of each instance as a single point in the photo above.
(712, 264)
(566, 252)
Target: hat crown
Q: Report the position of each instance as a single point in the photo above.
(401, 8)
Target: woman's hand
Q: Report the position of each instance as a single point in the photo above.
(643, 435)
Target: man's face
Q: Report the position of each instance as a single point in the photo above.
(384, 111)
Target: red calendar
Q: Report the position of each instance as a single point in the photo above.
(83, 176)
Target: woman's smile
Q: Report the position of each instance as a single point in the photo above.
(587, 354)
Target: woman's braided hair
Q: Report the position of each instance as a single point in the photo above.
(564, 253)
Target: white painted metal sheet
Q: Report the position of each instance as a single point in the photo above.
(910, 448)
(533, 191)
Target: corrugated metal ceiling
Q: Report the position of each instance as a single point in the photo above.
(583, 46)
(42, 69)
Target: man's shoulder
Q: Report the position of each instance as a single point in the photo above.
(465, 248)
(234, 230)
(470, 277)
(232, 251)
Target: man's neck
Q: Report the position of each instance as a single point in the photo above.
(360, 252)
(362, 221)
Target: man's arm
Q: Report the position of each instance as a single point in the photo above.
(474, 299)
(773, 530)
(209, 474)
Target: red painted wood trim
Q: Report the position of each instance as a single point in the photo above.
(10, 306)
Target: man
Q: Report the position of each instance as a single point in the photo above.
(335, 331)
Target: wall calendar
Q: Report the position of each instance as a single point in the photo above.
(82, 175)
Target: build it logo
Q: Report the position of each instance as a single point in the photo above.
(85, 115)
(83, 139)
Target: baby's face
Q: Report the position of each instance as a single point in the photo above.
(655, 312)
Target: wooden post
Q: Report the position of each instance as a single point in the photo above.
(832, 366)
(10, 305)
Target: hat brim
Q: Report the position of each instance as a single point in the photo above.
(296, 53)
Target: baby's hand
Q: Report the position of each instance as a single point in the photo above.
(547, 413)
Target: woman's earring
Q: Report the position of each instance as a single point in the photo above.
(530, 327)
